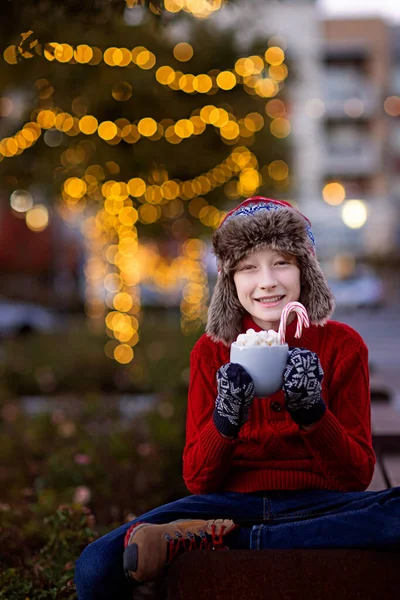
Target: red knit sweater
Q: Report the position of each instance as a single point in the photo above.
(271, 451)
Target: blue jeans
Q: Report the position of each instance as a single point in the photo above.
(271, 519)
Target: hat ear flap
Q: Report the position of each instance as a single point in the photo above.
(225, 311)
(316, 296)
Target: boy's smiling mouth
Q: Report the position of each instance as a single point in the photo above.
(269, 299)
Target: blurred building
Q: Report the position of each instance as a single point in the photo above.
(356, 131)
(343, 94)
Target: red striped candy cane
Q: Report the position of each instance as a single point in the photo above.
(302, 320)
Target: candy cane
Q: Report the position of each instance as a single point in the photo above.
(302, 319)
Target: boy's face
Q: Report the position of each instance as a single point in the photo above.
(265, 282)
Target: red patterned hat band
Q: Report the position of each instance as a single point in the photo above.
(256, 204)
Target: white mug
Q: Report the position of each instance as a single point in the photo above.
(264, 364)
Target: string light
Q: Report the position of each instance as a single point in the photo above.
(261, 75)
(117, 262)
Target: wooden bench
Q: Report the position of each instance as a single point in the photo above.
(386, 440)
(285, 575)
(347, 574)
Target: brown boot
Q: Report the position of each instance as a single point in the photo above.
(149, 548)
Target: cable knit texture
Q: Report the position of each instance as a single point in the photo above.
(271, 451)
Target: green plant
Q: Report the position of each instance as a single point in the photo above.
(46, 571)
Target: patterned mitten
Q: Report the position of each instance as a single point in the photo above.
(302, 385)
(235, 395)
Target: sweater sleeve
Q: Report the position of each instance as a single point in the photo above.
(207, 455)
(342, 441)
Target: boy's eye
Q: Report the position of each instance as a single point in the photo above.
(246, 267)
(282, 262)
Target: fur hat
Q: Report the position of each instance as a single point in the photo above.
(255, 224)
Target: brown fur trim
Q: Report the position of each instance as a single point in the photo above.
(283, 230)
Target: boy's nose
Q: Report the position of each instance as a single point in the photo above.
(267, 279)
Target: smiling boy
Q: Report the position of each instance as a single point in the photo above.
(288, 471)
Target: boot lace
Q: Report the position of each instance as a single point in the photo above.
(201, 541)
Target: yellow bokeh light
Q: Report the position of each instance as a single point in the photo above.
(254, 121)
(49, 51)
(275, 56)
(123, 302)
(88, 124)
(279, 73)
(107, 130)
(83, 53)
(230, 130)
(186, 83)
(108, 56)
(183, 51)
(244, 67)
(206, 111)
(153, 194)
(170, 190)
(334, 193)
(64, 122)
(63, 53)
(123, 354)
(113, 205)
(184, 128)
(128, 247)
(257, 64)
(75, 187)
(165, 75)
(266, 88)
(37, 218)
(275, 108)
(354, 213)
(174, 5)
(145, 60)
(210, 216)
(128, 216)
(194, 248)
(136, 187)
(226, 80)
(10, 55)
(280, 127)
(46, 119)
(202, 83)
(147, 126)
(148, 213)
(250, 179)
(278, 170)
(196, 205)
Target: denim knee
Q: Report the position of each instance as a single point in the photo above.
(97, 568)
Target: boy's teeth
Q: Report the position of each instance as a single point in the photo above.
(270, 300)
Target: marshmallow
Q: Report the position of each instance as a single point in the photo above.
(261, 338)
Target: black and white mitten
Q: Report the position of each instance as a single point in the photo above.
(235, 395)
(302, 385)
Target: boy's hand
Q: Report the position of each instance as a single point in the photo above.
(235, 395)
(302, 385)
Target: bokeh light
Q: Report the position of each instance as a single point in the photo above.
(21, 201)
(183, 51)
(334, 193)
(392, 106)
(37, 218)
(354, 213)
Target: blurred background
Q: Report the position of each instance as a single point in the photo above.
(127, 130)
